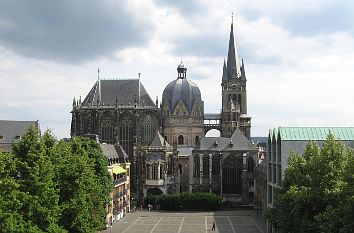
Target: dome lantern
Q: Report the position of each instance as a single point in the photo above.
(181, 70)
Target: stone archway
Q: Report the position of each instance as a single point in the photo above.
(232, 174)
(154, 191)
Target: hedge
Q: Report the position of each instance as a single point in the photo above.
(185, 201)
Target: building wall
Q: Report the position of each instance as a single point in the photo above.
(120, 195)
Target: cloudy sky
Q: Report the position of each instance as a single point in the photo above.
(299, 55)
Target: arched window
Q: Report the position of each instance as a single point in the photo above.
(216, 165)
(148, 173)
(170, 166)
(250, 164)
(180, 140)
(126, 134)
(196, 140)
(206, 166)
(154, 171)
(196, 166)
(107, 128)
(161, 171)
(148, 129)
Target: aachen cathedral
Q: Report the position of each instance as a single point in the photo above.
(165, 142)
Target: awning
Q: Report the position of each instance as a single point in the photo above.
(118, 170)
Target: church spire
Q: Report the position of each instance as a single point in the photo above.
(224, 72)
(233, 68)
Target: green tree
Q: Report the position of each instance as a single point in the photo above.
(29, 198)
(51, 186)
(84, 183)
(317, 194)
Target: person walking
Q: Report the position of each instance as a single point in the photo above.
(213, 228)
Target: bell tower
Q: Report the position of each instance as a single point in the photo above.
(234, 94)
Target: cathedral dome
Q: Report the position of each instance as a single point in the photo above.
(181, 89)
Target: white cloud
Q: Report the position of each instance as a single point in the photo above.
(294, 79)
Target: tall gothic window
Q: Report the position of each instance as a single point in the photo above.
(170, 166)
(93, 123)
(154, 171)
(216, 165)
(86, 124)
(161, 171)
(126, 134)
(196, 166)
(250, 164)
(107, 128)
(180, 140)
(148, 173)
(196, 140)
(231, 175)
(148, 129)
(206, 166)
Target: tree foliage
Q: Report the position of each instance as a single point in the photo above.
(185, 201)
(317, 194)
(50, 186)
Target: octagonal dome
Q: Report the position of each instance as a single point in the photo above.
(181, 89)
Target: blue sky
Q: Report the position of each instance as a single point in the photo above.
(299, 55)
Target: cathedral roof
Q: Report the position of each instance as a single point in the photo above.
(181, 89)
(237, 142)
(119, 91)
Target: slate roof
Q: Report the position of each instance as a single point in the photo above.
(10, 130)
(159, 141)
(114, 152)
(181, 89)
(122, 91)
(237, 142)
(312, 133)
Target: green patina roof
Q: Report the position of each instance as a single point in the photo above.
(315, 133)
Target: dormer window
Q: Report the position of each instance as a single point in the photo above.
(18, 137)
(1, 137)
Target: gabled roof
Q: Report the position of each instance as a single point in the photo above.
(119, 91)
(315, 133)
(159, 141)
(10, 130)
(114, 152)
(237, 142)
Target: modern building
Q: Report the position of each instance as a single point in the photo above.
(12, 131)
(121, 111)
(119, 168)
(284, 140)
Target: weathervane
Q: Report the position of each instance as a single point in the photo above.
(98, 73)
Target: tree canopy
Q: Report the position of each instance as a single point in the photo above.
(317, 194)
(51, 186)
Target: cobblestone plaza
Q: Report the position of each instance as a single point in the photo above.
(189, 222)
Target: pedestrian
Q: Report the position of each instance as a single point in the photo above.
(149, 207)
(141, 207)
(213, 228)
